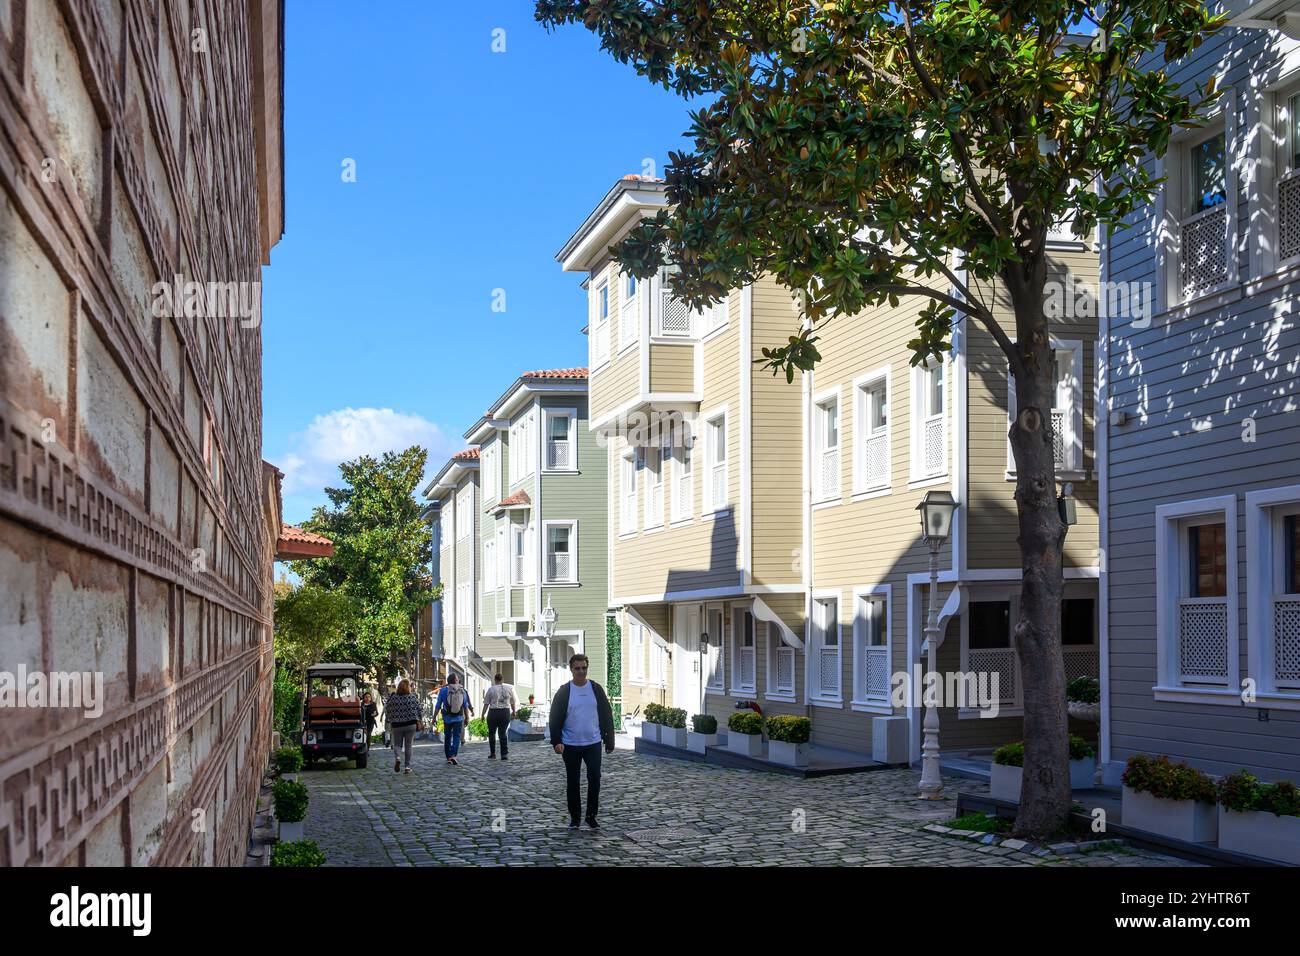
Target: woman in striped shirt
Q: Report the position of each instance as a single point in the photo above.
(403, 711)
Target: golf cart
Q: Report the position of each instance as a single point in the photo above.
(333, 722)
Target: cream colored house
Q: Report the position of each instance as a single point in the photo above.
(774, 554)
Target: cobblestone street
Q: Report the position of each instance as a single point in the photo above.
(654, 811)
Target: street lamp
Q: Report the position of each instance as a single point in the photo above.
(704, 650)
(548, 617)
(937, 509)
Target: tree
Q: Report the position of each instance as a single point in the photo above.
(312, 625)
(382, 552)
(863, 151)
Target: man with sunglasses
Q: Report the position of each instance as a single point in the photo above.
(581, 721)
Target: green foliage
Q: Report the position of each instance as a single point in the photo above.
(1010, 755)
(789, 729)
(297, 853)
(1243, 792)
(674, 717)
(981, 823)
(288, 759)
(478, 727)
(382, 553)
(311, 625)
(523, 713)
(704, 723)
(1080, 749)
(1170, 781)
(1083, 690)
(290, 798)
(745, 722)
(614, 668)
(653, 713)
(287, 704)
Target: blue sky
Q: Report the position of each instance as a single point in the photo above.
(472, 168)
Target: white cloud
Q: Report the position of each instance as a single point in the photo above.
(312, 461)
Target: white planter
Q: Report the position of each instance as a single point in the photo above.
(520, 727)
(1189, 820)
(1004, 782)
(290, 832)
(1086, 713)
(787, 754)
(750, 745)
(697, 743)
(1081, 773)
(650, 732)
(1260, 833)
(673, 736)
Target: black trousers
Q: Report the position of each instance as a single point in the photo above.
(574, 757)
(498, 719)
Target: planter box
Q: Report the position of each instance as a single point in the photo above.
(749, 745)
(787, 754)
(290, 832)
(673, 736)
(1004, 782)
(1082, 773)
(1187, 820)
(1260, 833)
(520, 727)
(1086, 713)
(697, 743)
(650, 732)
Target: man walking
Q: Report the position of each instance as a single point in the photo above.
(499, 704)
(453, 703)
(581, 719)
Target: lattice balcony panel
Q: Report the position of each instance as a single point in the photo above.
(934, 438)
(557, 454)
(1288, 217)
(1205, 251)
(1000, 661)
(1286, 641)
(1203, 641)
(876, 682)
(828, 670)
(877, 461)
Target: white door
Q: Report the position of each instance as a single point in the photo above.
(687, 666)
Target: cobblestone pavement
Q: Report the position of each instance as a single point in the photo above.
(654, 811)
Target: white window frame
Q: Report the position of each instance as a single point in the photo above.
(716, 656)
(863, 387)
(572, 415)
(715, 318)
(636, 671)
(464, 512)
(627, 493)
(774, 648)
(1070, 392)
(446, 535)
(865, 600)
(1269, 113)
(738, 686)
(574, 579)
(464, 597)
(710, 505)
(600, 325)
(658, 676)
(652, 460)
(823, 402)
(489, 563)
(683, 478)
(1172, 521)
(629, 311)
(1265, 557)
(502, 549)
(922, 415)
(520, 563)
(489, 469)
(816, 642)
(994, 594)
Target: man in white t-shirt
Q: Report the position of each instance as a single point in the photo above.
(581, 722)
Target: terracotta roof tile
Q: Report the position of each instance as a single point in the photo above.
(637, 177)
(297, 544)
(520, 497)
(571, 373)
(467, 454)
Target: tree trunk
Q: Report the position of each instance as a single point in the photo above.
(1045, 790)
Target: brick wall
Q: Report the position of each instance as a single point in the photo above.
(138, 141)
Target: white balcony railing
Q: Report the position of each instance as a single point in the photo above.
(557, 454)
(1204, 244)
(876, 461)
(675, 316)
(828, 671)
(517, 569)
(559, 567)
(1286, 640)
(934, 441)
(1203, 640)
(1058, 437)
(600, 342)
(784, 669)
(718, 489)
(747, 666)
(875, 676)
(830, 473)
(1002, 662)
(1288, 216)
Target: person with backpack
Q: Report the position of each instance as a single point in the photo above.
(581, 720)
(453, 704)
(499, 706)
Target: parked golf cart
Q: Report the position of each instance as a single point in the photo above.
(333, 721)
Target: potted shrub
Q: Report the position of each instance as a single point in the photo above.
(1083, 763)
(1174, 800)
(703, 733)
(1083, 699)
(520, 724)
(290, 798)
(672, 727)
(1262, 819)
(1007, 771)
(297, 853)
(650, 722)
(744, 733)
(477, 728)
(288, 761)
(787, 740)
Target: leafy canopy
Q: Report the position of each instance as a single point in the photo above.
(850, 147)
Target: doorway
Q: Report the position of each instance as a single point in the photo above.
(688, 679)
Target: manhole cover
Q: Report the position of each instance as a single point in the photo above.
(666, 835)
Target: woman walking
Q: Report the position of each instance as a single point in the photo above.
(403, 712)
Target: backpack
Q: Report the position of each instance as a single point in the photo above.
(455, 700)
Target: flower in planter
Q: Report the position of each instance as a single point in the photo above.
(1160, 777)
(745, 722)
(789, 729)
(1243, 792)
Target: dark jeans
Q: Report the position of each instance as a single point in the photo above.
(451, 736)
(573, 760)
(498, 719)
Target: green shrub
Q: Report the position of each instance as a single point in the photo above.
(981, 823)
(288, 759)
(1010, 755)
(1083, 690)
(1243, 792)
(290, 800)
(704, 724)
(478, 727)
(789, 729)
(674, 717)
(745, 722)
(1169, 781)
(523, 713)
(297, 853)
(1080, 749)
(654, 714)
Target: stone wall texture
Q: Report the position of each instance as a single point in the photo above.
(139, 140)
